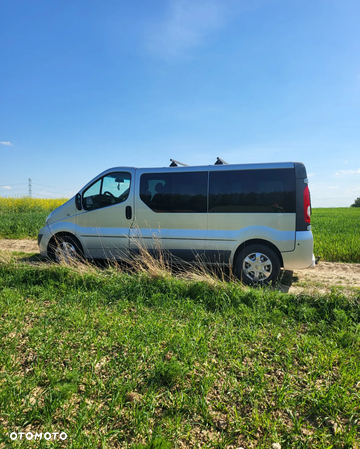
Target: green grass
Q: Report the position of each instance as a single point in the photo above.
(21, 225)
(118, 360)
(337, 234)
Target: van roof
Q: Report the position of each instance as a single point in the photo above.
(300, 170)
(267, 165)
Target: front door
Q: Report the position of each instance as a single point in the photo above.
(108, 210)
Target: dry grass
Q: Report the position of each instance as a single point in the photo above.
(160, 263)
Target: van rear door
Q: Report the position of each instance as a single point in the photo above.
(254, 203)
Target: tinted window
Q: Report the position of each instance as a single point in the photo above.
(252, 191)
(174, 192)
(111, 189)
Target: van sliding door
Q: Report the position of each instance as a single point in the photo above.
(171, 212)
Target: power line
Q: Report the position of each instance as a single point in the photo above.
(47, 190)
(21, 184)
(49, 196)
(41, 185)
(52, 187)
(60, 191)
(13, 190)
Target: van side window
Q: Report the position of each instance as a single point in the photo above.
(266, 191)
(174, 192)
(111, 189)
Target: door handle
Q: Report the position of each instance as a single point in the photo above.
(128, 212)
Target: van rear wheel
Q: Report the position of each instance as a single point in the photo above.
(257, 265)
(65, 249)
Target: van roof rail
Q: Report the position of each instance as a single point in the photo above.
(175, 163)
(220, 162)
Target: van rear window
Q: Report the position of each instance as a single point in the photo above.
(265, 191)
(248, 191)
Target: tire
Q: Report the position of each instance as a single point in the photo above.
(65, 249)
(257, 265)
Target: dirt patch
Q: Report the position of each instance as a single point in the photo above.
(323, 277)
(24, 245)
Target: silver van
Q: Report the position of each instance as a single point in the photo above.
(255, 217)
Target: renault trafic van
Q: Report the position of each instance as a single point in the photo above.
(255, 217)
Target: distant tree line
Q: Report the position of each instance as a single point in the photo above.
(357, 203)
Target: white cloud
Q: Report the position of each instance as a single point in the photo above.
(310, 175)
(6, 187)
(186, 26)
(6, 143)
(327, 191)
(346, 173)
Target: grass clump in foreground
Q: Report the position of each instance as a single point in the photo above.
(122, 360)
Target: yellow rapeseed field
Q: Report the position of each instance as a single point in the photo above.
(27, 204)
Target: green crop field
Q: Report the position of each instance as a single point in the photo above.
(117, 360)
(337, 234)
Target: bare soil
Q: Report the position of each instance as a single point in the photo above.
(321, 278)
(25, 245)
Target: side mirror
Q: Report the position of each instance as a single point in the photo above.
(78, 201)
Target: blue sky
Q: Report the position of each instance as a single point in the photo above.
(86, 85)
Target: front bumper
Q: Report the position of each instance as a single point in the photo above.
(43, 240)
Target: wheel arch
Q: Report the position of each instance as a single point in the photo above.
(61, 234)
(258, 242)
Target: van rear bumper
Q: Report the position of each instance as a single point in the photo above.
(302, 256)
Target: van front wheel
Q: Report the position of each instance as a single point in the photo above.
(65, 249)
(257, 265)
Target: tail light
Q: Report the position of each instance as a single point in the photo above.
(307, 205)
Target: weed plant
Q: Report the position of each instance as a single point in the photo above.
(149, 360)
